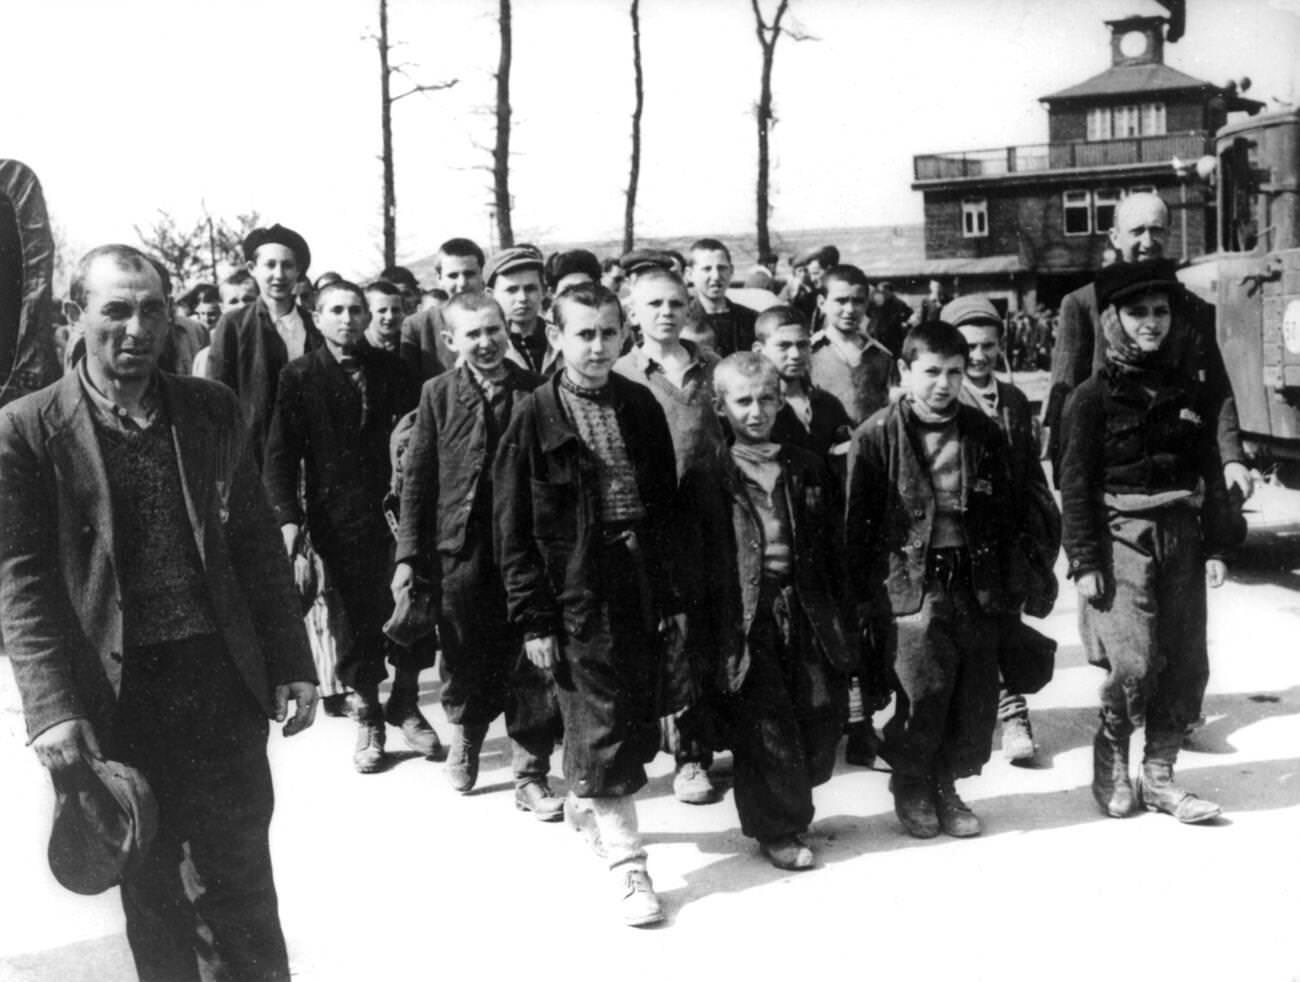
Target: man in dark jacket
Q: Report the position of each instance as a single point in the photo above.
(149, 616)
(251, 344)
(1141, 224)
(337, 406)
(446, 535)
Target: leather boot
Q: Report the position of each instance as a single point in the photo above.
(461, 767)
(1110, 780)
(914, 805)
(1157, 788)
(955, 816)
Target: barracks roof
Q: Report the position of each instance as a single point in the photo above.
(1130, 79)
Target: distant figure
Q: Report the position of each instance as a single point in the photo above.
(459, 268)
(710, 273)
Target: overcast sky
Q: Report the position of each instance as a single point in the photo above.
(127, 107)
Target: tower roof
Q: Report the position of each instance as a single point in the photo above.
(1131, 80)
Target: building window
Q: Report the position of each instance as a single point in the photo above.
(1078, 212)
(974, 218)
(1125, 122)
(1141, 189)
(1103, 208)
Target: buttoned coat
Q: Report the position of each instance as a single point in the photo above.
(317, 432)
(446, 477)
(891, 508)
(60, 599)
(248, 354)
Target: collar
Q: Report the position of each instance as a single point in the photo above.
(108, 410)
(648, 366)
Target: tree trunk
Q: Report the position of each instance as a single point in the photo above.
(767, 37)
(501, 153)
(634, 173)
(386, 123)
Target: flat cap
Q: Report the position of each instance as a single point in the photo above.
(513, 260)
(1119, 281)
(278, 235)
(639, 260)
(105, 820)
(974, 309)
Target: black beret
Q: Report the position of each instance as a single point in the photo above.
(278, 235)
(1120, 281)
(563, 264)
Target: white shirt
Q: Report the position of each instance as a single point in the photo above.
(292, 332)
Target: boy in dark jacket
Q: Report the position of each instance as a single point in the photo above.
(1147, 523)
(584, 482)
(783, 653)
(1035, 508)
(930, 540)
(446, 535)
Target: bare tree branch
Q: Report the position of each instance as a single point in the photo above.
(431, 87)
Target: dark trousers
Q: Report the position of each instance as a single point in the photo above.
(783, 725)
(204, 895)
(606, 683)
(946, 680)
(1149, 631)
(484, 670)
(360, 571)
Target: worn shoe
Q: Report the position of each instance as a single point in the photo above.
(640, 904)
(860, 747)
(461, 767)
(335, 704)
(368, 757)
(419, 735)
(955, 817)
(1158, 793)
(914, 806)
(1111, 787)
(538, 798)
(583, 822)
(692, 785)
(1018, 739)
(787, 852)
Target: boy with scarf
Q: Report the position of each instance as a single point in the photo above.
(771, 543)
(1147, 523)
(930, 538)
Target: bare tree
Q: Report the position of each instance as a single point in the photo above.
(501, 151)
(386, 100)
(634, 172)
(195, 254)
(768, 33)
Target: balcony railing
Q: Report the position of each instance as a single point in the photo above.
(1077, 154)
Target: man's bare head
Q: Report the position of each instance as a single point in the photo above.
(1141, 226)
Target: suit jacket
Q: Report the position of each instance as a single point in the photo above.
(247, 353)
(60, 599)
(317, 433)
(447, 477)
(1079, 351)
(422, 348)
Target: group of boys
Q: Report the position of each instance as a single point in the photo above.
(666, 522)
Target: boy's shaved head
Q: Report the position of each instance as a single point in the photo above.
(845, 274)
(777, 317)
(938, 337)
(744, 365)
(591, 295)
(341, 286)
(469, 303)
